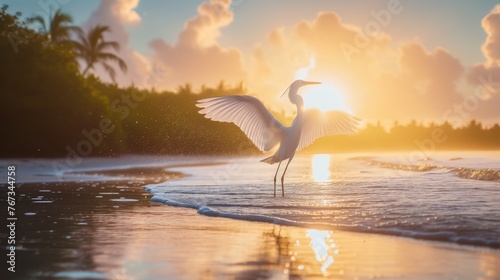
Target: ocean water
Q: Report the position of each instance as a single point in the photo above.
(445, 196)
(451, 197)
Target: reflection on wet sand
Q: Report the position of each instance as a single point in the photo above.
(322, 245)
(59, 238)
(297, 257)
(86, 232)
(111, 230)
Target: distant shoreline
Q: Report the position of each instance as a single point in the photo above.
(307, 151)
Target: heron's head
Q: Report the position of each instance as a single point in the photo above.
(294, 88)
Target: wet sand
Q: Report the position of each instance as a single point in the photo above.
(111, 230)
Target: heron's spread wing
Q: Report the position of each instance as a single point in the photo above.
(249, 114)
(317, 124)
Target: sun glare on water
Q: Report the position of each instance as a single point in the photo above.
(321, 168)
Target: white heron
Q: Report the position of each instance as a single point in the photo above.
(266, 132)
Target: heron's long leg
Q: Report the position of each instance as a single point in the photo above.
(283, 179)
(275, 178)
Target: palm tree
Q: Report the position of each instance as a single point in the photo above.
(57, 29)
(93, 49)
(185, 89)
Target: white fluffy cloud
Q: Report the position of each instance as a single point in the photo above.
(197, 58)
(491, 24)
(118, 14)
(485, 76)
(491, 49)
(382, 79)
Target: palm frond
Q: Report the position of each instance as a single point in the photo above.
(57, 27)
(112, 44)
(111, 71)
(39, 20)
(113, 57)
(91, 48)
(59, 17)
(96, 34)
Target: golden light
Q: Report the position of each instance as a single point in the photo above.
(322, 244)
(303, 72)
(324, 97)
(321, 168)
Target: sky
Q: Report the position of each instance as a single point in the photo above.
(381, 60)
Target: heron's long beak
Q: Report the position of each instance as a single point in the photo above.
(285, 91)
(305, 83)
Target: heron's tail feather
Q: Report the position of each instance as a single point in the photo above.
(269, 160)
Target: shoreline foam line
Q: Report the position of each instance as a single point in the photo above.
(447, 237)
(485, 174)
(442, 236)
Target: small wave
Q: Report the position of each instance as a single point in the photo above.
(444, 236)
(478, 174)
(207, 211)
(379, 215)
(461, 172)
(175, 203)
(417, 167)
(360, 158)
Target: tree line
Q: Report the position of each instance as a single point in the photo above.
(52, 105)
(414, 136)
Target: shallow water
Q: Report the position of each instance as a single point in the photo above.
(88, 227)
(447, 196)
(379, 193)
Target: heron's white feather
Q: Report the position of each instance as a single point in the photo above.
(249, 114)
(317, 124)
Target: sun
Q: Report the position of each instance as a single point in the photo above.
(325, 97)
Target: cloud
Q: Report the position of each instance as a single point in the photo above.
(491, 24)
(197, 58)
(491, 50)
(437, 72)
(276, 37)
(380, 78)
(424, 87)
(118, 14)
(204, 29)
(485, 76)
(122, 10)
(345, 44)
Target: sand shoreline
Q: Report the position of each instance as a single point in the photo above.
(111, 230)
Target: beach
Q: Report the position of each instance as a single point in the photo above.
(226, 139)
(111, 229)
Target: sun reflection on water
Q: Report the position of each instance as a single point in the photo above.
(321, 168)
(322, 243)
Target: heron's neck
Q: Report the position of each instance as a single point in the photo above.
(297, 122)
(297, 100)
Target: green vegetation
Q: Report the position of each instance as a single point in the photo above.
(57, 29)
(49, 108)
(413, 136)
(92, 48)
(46, 102)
